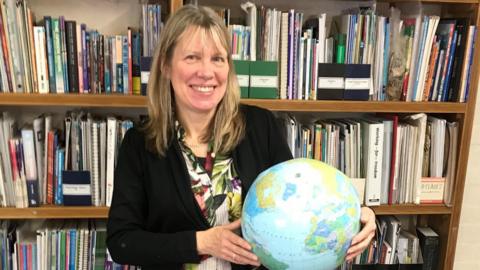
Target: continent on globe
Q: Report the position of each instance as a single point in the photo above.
(301, 214)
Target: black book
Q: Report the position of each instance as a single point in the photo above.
(461, 27)
(72, 60)
(77, 188)
(357, 81)
(145, 64)
(429, 244)
(331, 81)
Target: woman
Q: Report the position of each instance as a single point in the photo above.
(180, 180)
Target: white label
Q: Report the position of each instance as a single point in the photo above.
(70, 189)
(357, 83)
(331, 83)
(264, 81)
(243, 80)
(144, 76)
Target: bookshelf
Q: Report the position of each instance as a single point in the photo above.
(445, 220)
(125, 101)
(64, 212)
(54, 212)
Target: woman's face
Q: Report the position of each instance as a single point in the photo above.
(198, 72)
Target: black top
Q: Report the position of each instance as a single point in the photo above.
(154, 216)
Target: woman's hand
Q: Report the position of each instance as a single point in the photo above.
(363, 238)
(222, 242)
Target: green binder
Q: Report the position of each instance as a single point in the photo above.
(242, 68)
(264, 79)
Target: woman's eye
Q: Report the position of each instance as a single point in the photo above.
(219, 59)
(191, 57)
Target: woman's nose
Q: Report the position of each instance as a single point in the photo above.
(205, 70)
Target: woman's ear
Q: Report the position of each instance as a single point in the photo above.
(165, 70)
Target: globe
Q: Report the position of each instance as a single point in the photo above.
(301, 214)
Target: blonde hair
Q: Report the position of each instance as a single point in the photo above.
(228, 126)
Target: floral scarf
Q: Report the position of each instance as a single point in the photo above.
(217, 190)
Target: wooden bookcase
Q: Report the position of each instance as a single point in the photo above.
(445, 220)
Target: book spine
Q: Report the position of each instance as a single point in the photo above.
(107, 65)
(84, 34)
(111, 145)
(118, 61)
(457, 62)
(94, 62)
(15, 174)
(50, 167)
(136, 81)
(88, 61)
(470, 62)
(373, 153)
(15, 49)
(5, 50)
(113, 64)
(60, 88)
(445, 63)
(42, 69)
(63, 46)
(129, 61)
(30, 167)
(72, 60)
(101, 65)
(31, 47)
(23, 53)
(78, 34)
(60, 164)
(125, 65)
(50, 54)
(448, 75)
(21, 170)
(39, 137)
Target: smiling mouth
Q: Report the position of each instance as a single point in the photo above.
(203, 88)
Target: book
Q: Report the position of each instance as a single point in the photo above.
(392, 234)
(418, 120)
(431, 190)
(58, 58)
(372, 155)
(429, 245)
(76, 188)
(358, 81)
(72, 55)
(242, 69)
(331, 82)
(145, 64)
(110, 161)
(451, 164)
(263, 79)
(31, 172)
(40, 58)
(386, 159)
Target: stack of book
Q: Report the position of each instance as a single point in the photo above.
(409, 159)
(58, 55)
(38, 160)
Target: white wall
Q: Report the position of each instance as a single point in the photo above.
(468, 241)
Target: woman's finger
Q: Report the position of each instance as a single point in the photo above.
(239, 241)
(243, 255)
(356, 249)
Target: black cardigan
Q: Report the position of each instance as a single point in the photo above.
(153, 216)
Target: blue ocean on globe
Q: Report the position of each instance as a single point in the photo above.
(301, 214)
